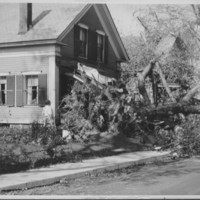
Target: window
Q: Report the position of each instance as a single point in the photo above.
(100, 47)
(83, 42)
(32, 90)
(23, 89)
(3, 85)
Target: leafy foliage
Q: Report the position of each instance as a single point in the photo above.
(23, 148)
(188, 137)
(160, 21)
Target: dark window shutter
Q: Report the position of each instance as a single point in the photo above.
(10, 90)
(92, 45)
(76, 40)
(1, 101)
(106, 50)
(19, 90)
(42, 89)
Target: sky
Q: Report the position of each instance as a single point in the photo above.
(125, 21)
(125, 15)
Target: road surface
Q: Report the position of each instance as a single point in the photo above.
(172, 178)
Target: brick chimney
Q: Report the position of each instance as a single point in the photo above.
(25, 17)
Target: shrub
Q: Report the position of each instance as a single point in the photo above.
(188, 137)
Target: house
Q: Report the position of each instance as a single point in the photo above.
(41, 46)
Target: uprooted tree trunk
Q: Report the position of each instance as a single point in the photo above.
(183, 106)
(170, 109)
(146, 72)
(141, 82)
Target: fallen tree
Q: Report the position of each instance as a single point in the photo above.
(90, 113)
(183, 106)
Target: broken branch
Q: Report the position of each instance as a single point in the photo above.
(164, 82)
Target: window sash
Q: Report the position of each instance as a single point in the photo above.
(82, 49)
(3, 90)
(83, 34)
(32, 90)
(32, 87)
(100, 47)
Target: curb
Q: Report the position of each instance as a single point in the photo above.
(50, 181)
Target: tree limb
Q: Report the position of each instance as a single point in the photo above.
(142, 23)
(141, 82)
(194, 10)
(164, 82)
(190, 94)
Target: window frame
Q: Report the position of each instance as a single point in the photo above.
(102, 35)
(5, 89)
(84, 29)
(27, 92)
(13, 88)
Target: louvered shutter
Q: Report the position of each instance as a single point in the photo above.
(19, 90)
(10, 90)
(42, 89)
(92, 45)
(106, 50)
(1, 102)
(76, 40)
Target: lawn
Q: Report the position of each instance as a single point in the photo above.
(22, 149)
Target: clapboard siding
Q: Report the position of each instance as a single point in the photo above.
(91, 20)
(22, 115)
(16, 65)
(112, 32)
(23, 64)
(68, 49)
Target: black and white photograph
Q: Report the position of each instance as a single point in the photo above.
(99, 99)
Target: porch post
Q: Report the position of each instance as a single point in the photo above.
(53, 82)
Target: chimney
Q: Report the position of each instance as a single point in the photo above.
(25, 17)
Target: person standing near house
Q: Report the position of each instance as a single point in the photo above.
(47, 115)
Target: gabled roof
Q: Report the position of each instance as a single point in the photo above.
(53, 21)
(50, 20)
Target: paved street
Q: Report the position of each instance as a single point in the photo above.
(53, 173)
(171, 178)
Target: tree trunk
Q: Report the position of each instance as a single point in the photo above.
(141, 82)
(183, 106)
(169, 110)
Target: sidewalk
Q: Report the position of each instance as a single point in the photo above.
(53, 173)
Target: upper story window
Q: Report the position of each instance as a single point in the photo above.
(81, 40)
(90, 44)
(100, 47)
